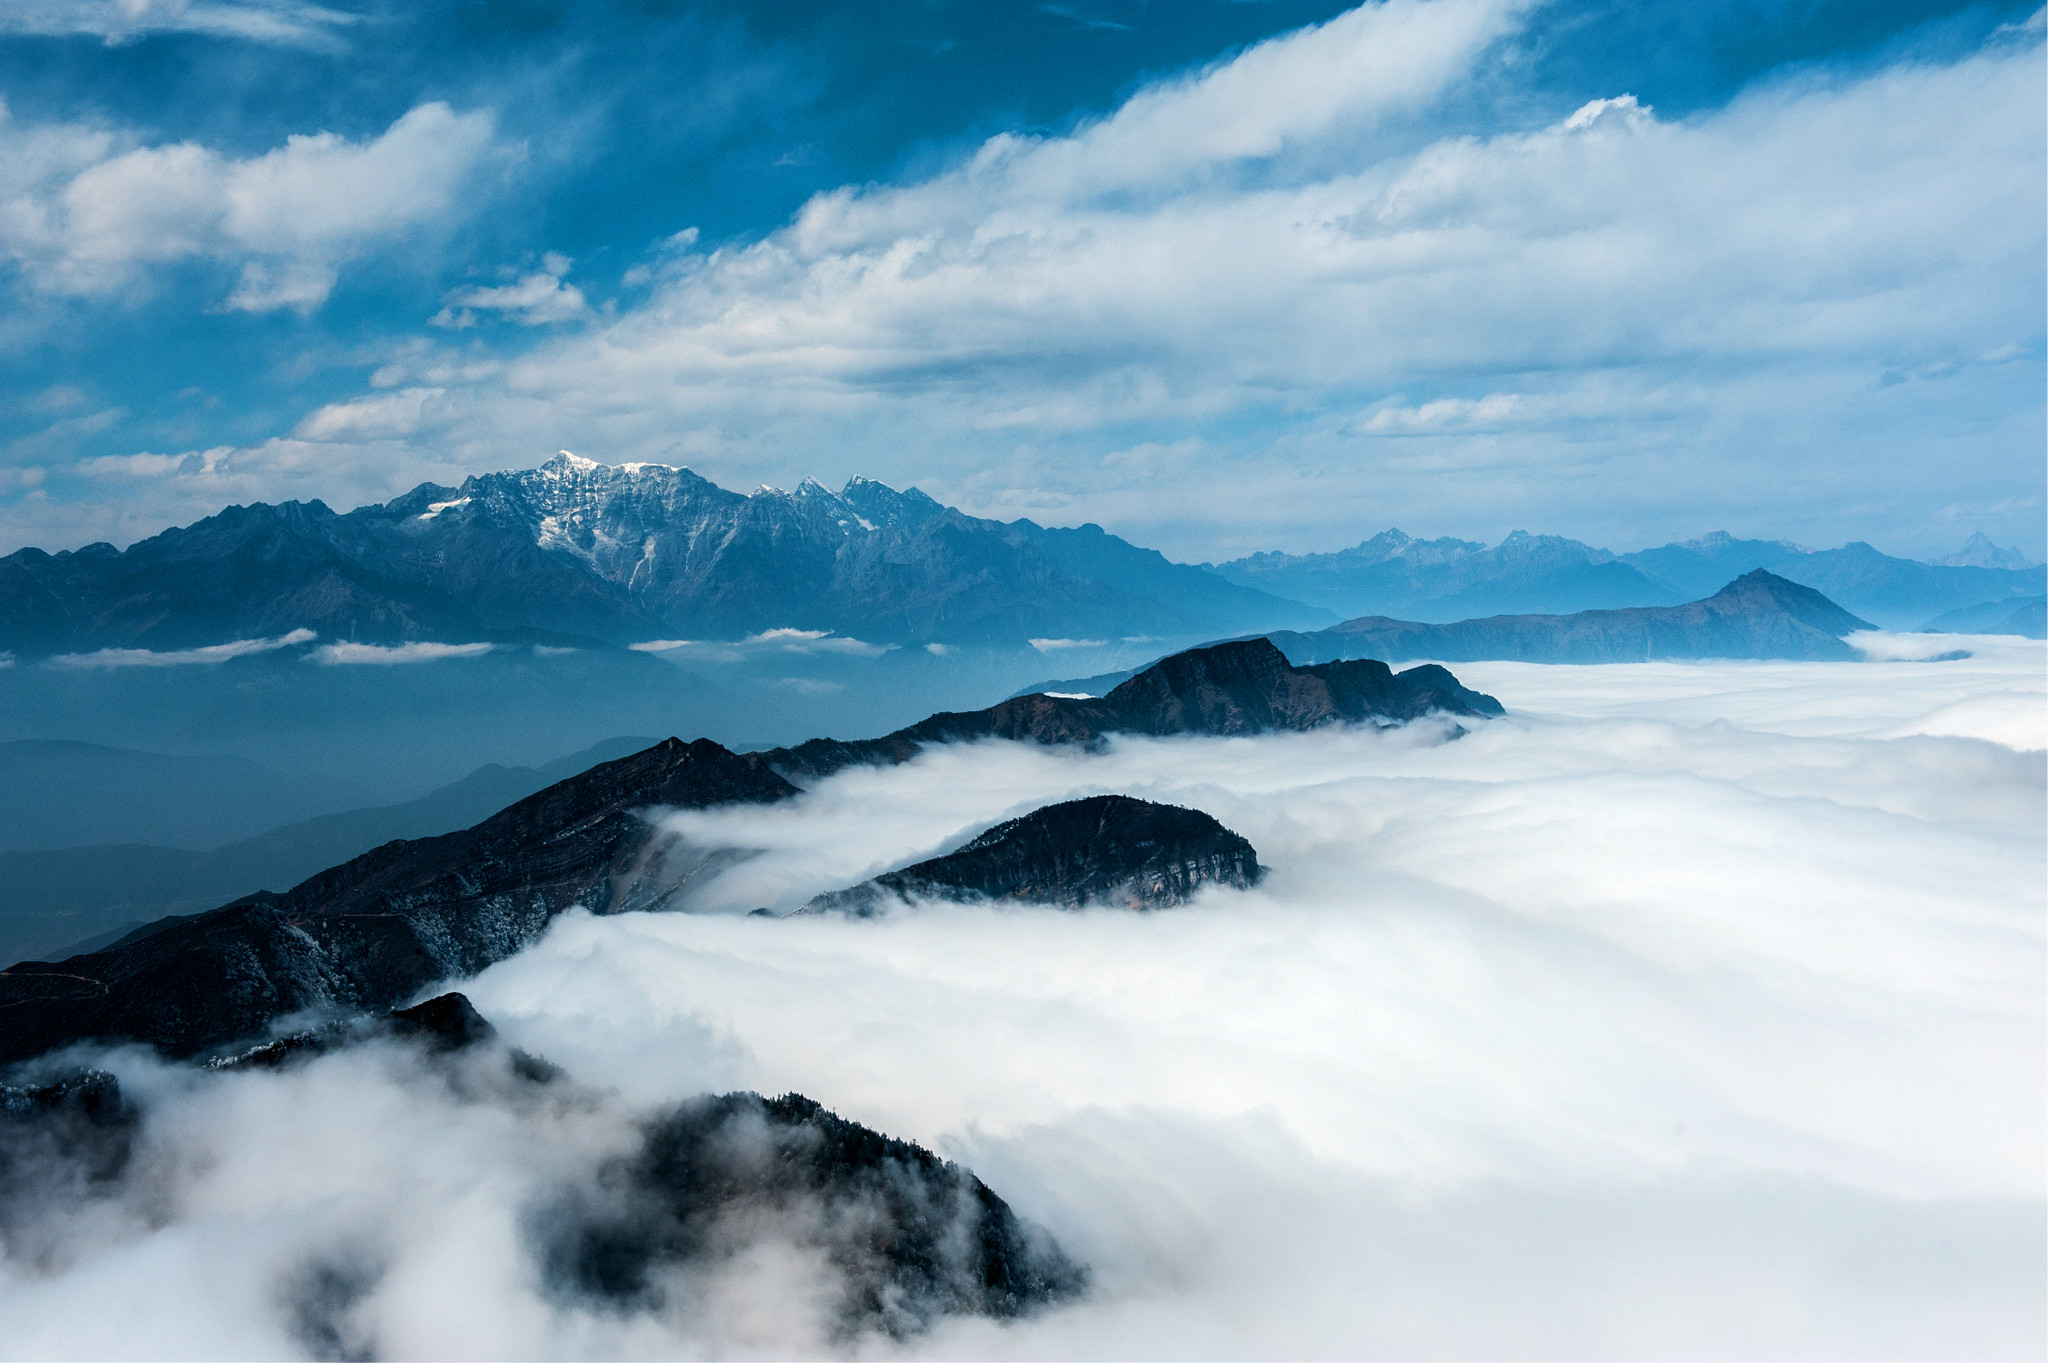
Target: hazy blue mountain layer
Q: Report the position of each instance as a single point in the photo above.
(623, 554)
(63, 901)
(2027, 615)
(1896, 593)
(1759, 615)
(1445, 580)
(61, 793)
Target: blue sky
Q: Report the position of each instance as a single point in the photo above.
(1221, 276)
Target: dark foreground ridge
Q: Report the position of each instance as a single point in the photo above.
(376, 930)
(1107, 849)
(1246, 686)
(1758, 615)
(903, 1237)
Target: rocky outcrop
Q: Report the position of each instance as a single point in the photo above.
(1108, 850)
(1243, 687)
(373, 931)
(901, 1238)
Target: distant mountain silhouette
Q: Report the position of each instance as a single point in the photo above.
(1759, 615)
(1109, 850)
(1449, 579)
(621, 554)
(1446, 580)
(1242, 687)
(2026, 616)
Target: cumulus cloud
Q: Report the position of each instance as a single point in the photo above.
(1689, 1010)
(208, 656)
(290, 22)
(536, 299)
(83, 214)
(386, 655)
(1260, 299)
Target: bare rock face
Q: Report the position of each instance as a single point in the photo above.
(1246, 686)
(374, 931)
(1106, 849)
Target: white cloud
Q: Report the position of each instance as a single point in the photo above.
(1055, 645)
(1682, 1013)
(536, 299)
(85, 216)
(209, 656)
(385, 655)
(289, 22)
(1197, 319)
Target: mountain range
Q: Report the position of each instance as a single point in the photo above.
(376, 930)
(1444, 580)
(1759, 615)
(623, 554)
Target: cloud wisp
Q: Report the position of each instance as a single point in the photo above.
(208, 656)
(389, 655)
(1692, 1008)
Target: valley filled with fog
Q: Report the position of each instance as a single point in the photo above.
(1689, 1010)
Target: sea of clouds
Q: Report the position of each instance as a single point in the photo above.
(1692, 1010)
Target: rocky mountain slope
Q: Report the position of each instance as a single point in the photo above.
(1241, 687)
(373, 931)
(624, 554)
(1106, 849)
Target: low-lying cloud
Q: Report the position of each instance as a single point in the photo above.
(210, 655)
(1690, 1010)
(387, 655)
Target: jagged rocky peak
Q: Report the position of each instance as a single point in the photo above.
(1108, 850)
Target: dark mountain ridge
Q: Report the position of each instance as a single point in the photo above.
(1105, 849)
(1241, 687)
(375, 930)
(381, 927)
(621, 554)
